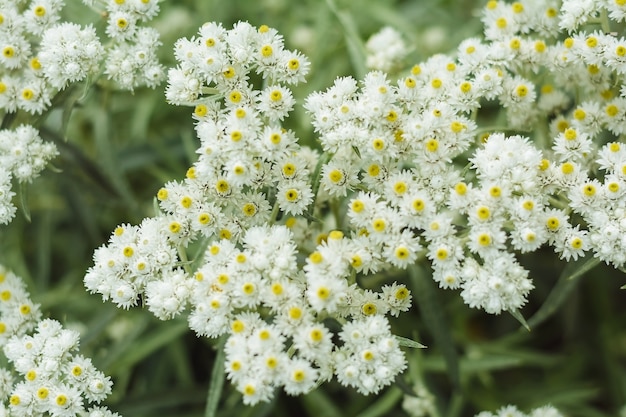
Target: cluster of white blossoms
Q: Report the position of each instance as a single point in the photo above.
(286, 236)
(46, 376)
(399, 152)
(132, 60)
(41, 55)
(23, 155)
(385, 50)
(247, 200)
(513, 411)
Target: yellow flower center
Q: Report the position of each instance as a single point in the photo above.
(552, 223)
(369, 309)
(8, 51)
(267, 51)
(335, 176)
(402, 253)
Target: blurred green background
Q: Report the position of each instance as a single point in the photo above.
(120, 148)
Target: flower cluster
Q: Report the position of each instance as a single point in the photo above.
(47, 377)
(282, 237)
(69, 53)
(421, 403)
(247, 199)
(19, 315)
(223, 59)
(397, 145)
(131, 58)
(39, 56)
(23, 155)
(386, 50)
(400, 144)
(512, 411)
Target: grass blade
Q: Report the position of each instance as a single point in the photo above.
(432, 313)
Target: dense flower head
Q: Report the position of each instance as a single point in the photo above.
(131, 59)
(23, 155)
(222, 59)
(385, 50)
(513, 411)
(69, 53)
(46, 375)
(41, 54)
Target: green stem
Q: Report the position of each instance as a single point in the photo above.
(564, 286)
(216, 383)
(7, 120)
(184, 260)
(605, 24)
(274, 213)
(384, 404)
(316, 181)
(429, 305)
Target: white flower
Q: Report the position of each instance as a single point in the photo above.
(69, 53)
(500, 284)
(370, 358)
(42, 14)
(14, 50)
(300, 377)
(134, 63)
(7, 208)
(168, 297)
(385, 49)
(101, 412)
(121, 25)
(294, 196)
(275, 102)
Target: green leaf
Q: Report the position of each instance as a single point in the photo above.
(7, 120)
(432, 313)
(216, 384)
(518, 315)
(319, 404)
(68, 107)
(143, 347)
(323, 160)
(406, 342)
(565, 285)
(384, 404)
(356, 48)
(23, 192)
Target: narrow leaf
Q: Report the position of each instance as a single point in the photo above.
(518, 315)
(319, 404)
(565, 285)
(316, 185)
(216, 384)
(145, 346)
(23, 192)
(406, 342)
(68, 107)
(384, 404)
(354, 43)
(432, 313)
